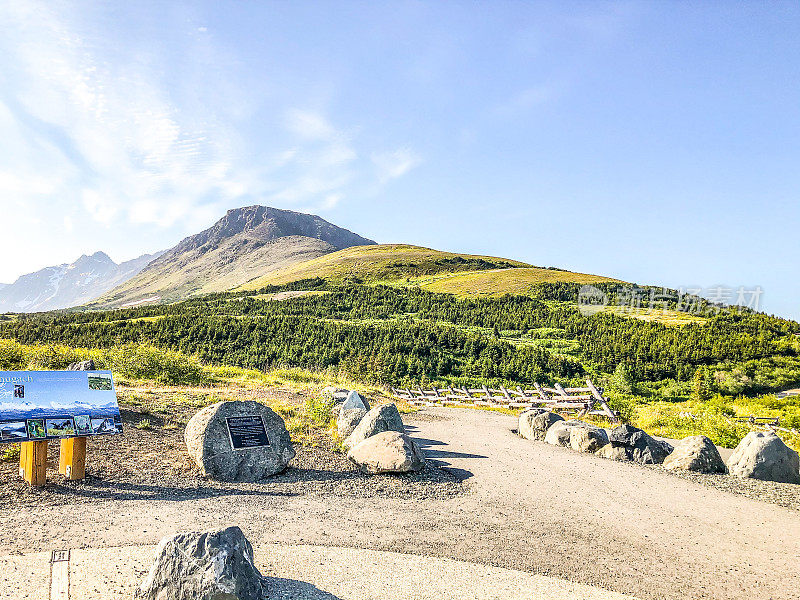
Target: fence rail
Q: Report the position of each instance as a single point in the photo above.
(583, 400)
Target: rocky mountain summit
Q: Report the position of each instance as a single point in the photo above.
(246, 243)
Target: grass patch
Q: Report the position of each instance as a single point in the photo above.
(10, 453)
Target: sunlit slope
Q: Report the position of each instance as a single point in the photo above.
(381, 262)
(496, 282)
(401, 264)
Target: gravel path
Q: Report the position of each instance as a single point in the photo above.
(528, 506)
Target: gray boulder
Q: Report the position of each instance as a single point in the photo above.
(84, 365)
(387, 452)
(763, 455)
(534, 423)
(630, 443)
(209, 443)
(614, 452)
(695, 453)
(355, 400)
(587, 438)
(559, 433)
(377, 420)
(213, 565)
(348, 420)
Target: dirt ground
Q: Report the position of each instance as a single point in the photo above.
(522, 505)
(149, 460)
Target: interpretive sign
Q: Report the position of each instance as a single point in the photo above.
(42, 405)
(247, 432)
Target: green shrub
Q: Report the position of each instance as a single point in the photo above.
(319, 409)
(140, 361)
(12, 356)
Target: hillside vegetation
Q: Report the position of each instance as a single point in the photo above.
(406, 265)
(699, 375)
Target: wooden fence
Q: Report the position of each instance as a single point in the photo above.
(585, 400)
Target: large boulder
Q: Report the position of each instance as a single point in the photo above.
(587, 438)
(630, 443)
(387, 452)
(84, 365)
(559, 433)
(534, 423)
(695, 453)
(348, 420)
(377, 420)
(213, 565)
(763, 455)
(211, 445)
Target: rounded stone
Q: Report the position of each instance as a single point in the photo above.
(695, 453)
(377, 420)
(387, 452)
(763, 455)
(209, 443)
(534, 423)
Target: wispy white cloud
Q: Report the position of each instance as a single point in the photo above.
(102, 134)
(391, 165)
(128, 145)
(309, 125)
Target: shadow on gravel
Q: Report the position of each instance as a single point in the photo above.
(96, 488)
(289, 589)
(434, 456)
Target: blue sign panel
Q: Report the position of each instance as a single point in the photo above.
(40, 405)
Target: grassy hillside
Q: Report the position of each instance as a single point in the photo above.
(406, 265)
(496, 282)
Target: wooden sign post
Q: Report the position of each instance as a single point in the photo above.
(72, 460)
(33, 462)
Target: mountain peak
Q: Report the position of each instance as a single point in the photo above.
(246, 243)
(98, 256)
(267, 224)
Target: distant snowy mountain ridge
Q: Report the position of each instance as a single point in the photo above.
(67, 285)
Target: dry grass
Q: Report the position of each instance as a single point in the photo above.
(497, 282)
(381, 262)
(670, 318)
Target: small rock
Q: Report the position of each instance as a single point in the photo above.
(614, 452)
(534, 423)
(336, 395)
(209, 443)
(355, 400)
(763, 455)
(213, 565)
(377, 420)
(695, 453)
(85, 365)
(387, 452)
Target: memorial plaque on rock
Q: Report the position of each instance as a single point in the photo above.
(247, 432)
(238, 441)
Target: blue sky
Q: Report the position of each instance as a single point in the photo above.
(657, 142)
